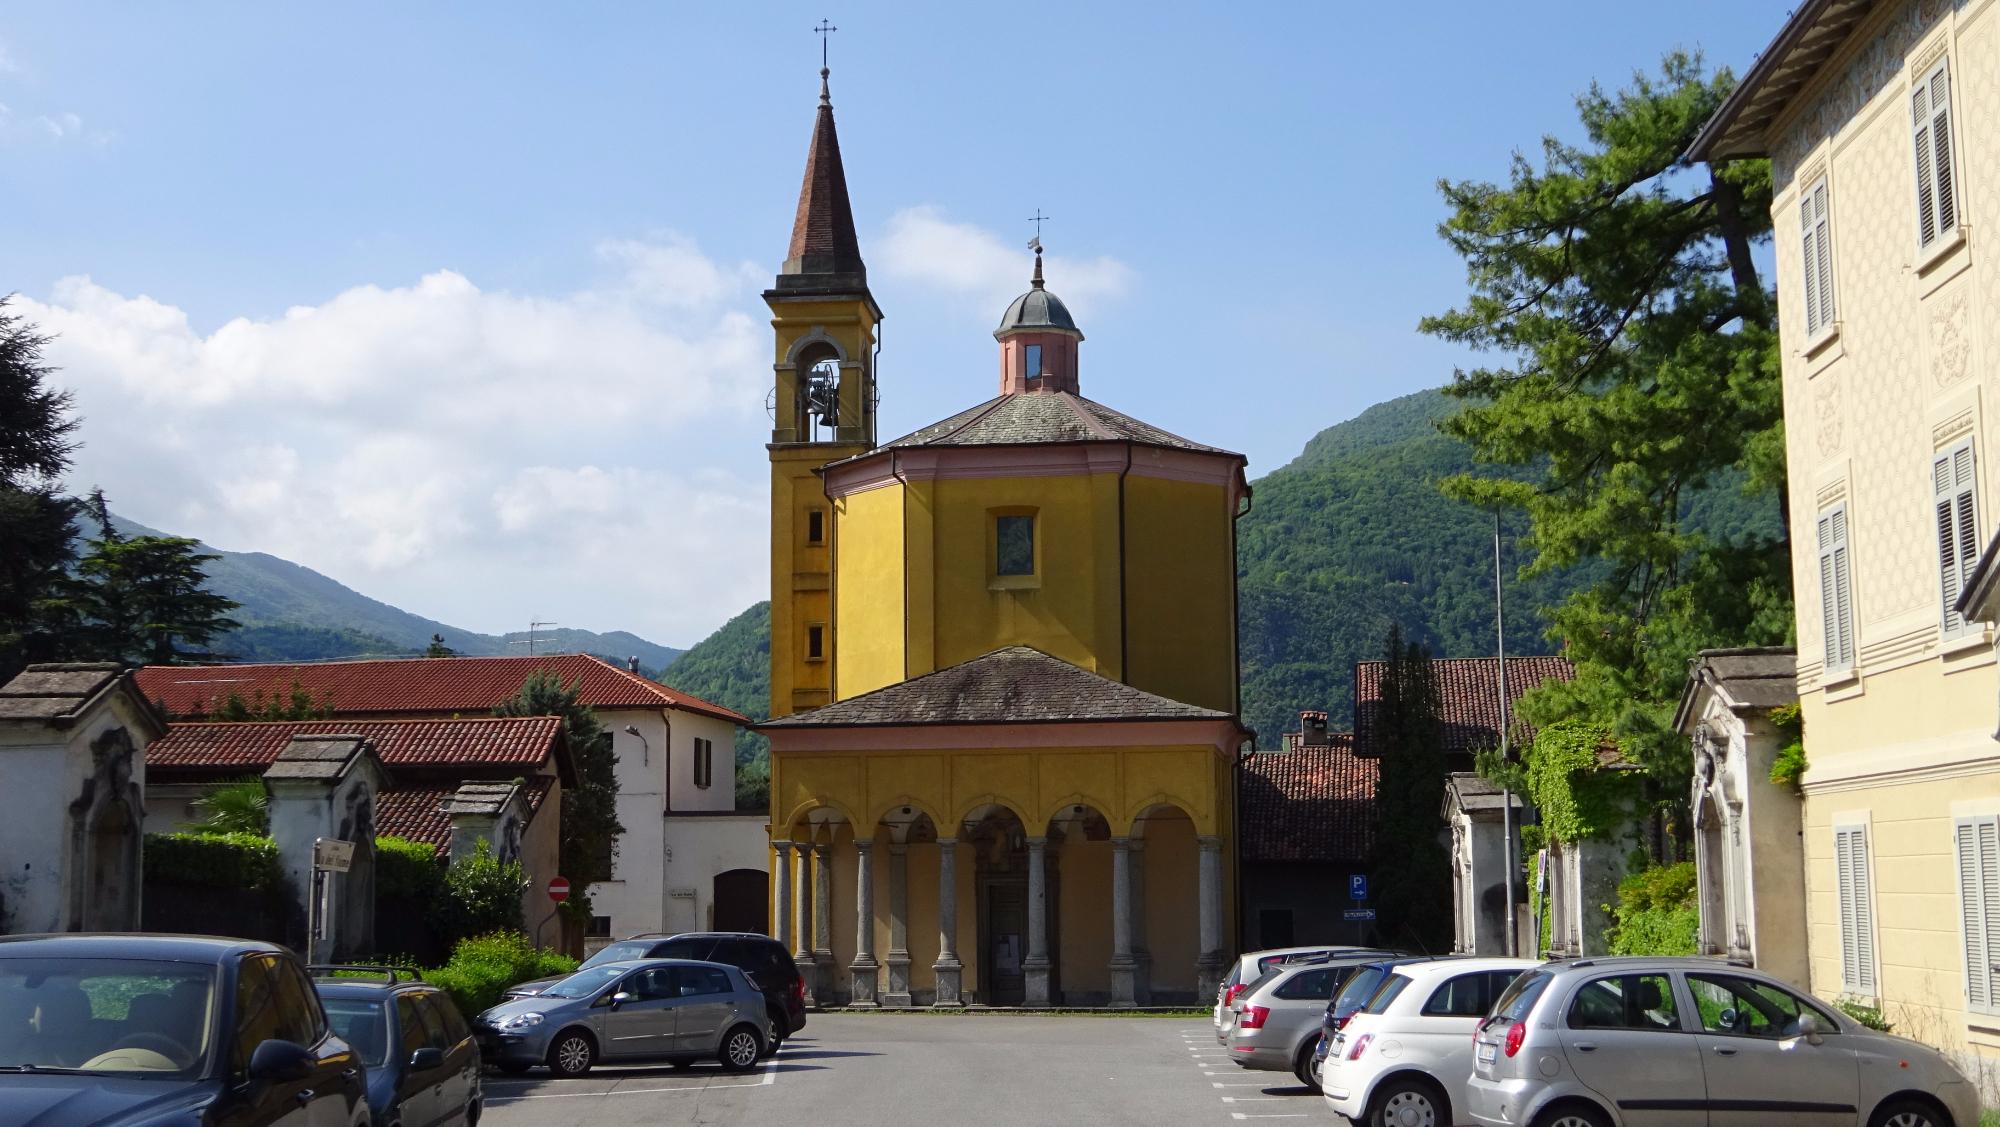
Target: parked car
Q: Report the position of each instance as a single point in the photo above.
(1643, 1042)
(154, 1030)
(422, 1060)
(1403, 1057)
(761, 957)
(1273, 1025)
(1248, 967)
(1354, 994)
(643, 1009)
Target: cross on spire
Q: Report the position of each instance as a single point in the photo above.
(824, 29)
(1036, 219)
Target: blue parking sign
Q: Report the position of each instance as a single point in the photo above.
(1357, 886)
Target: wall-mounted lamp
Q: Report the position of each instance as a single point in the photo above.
(645, 748)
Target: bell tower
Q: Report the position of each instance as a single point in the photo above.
(822, 410)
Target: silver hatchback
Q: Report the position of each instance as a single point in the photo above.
(1660, 1042)
(1274, 1023)
(675, 1010)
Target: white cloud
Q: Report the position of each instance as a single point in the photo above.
(924, 246)
(471, 455)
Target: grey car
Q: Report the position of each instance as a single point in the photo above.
(675, 1010)
(1652, 1042)
(1274, 1023)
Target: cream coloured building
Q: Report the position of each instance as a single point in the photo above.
(1882, 124)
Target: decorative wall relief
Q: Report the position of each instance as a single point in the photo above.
(1826, 416)
(1951, 341)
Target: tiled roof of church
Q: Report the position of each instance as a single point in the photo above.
(521, 742)
(1309, 803)
(1011, 685)
(1468, 698)
(823, 239)
(411, 686)
(1034, 417)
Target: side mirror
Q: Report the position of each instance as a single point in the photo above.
(1810, 1027)
(427, 1058)
(281, 1061)
(619, 999)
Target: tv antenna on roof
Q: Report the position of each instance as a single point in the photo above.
(534, 628)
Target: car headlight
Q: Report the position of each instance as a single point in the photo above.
(520, 1021)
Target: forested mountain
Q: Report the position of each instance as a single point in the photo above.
(293, 613)
(732, 668)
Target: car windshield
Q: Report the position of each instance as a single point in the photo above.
(127, 1016)
(585, 983)
(1520, 996)
(1360, 987)
(363, 1024)
(618, 953)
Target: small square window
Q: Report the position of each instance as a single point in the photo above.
(1014, 542)
(600, 928)
(815, 642)
(816, 526)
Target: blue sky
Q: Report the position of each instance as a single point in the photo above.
(458, 303)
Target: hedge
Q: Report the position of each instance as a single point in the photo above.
(409, 869)
(1657, 912)
(235, 860)
(484, 966)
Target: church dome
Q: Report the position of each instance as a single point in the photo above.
(1037, 309)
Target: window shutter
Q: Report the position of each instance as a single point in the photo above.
(1843, 884)
(1947, 201)
(1811, 286)
(1937, 176)
(1857, 909)
(1926, 202)
(1978, 852)
(1822, 241)
(1836, 594)
(1953, 503)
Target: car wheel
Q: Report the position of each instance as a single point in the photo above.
(1909, 1113)
(1302, 1066)
(572, 1053)
(472, 1114)
(741, 1047)
(1409, 1103)
(1572, 1115)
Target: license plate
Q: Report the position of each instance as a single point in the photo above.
(1487, 1051)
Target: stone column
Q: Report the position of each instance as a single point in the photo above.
(781, 893)
(1123, 967)
(802, 937)
(1142, 958)
(898, 960)
(861, 989)
(950, 972)
(1035, 968)
(1208, 962)
(823, 920)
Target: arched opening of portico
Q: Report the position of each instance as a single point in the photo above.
(1166, 908)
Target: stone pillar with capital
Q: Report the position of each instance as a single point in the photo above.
(1208, 962)
(823, 920)
(1142, 957)
(950, 972)
(1124, 969)
(898, 959)
(802, 944)
(781, 893)
(1035, 968)
(862, 971)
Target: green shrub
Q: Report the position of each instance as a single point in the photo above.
(1789, 766)
(213, 861)
(481, 895)
(408, 869)
(1869, 1016)
(484, 966)
(239, 807)
(1657, 912)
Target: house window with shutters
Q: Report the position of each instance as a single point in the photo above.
(1937, 160)
(1978, 850)
(1836, 589)
(1855, 890)
(1957, 527)
(1817, 235)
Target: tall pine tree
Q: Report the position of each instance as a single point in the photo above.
(1412, 868)
(143, 600)
(36, 519)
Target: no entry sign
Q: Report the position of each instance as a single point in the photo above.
(558, 889)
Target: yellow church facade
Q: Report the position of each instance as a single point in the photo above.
(1004, 742)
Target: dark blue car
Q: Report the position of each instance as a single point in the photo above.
(167, 1031)
(423, 1064)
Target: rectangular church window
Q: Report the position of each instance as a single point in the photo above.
(1033, 367)
(1014, 540)
(815, 642)
(816, 526)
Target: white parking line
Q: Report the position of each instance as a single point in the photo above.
(769, 1078)
(1268, 1114)
(1242, 1084)
(1251, 1099)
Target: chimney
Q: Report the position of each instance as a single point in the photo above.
(1312, 728)
(632, 663)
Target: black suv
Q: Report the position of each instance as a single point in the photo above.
(172, 1030)
(423, 1064)
(761, 957)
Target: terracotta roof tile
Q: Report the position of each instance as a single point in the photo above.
(1468, 698)
(412, 686)
(417, 813)
(524, 742)
(1010, 685)
(1308, 804)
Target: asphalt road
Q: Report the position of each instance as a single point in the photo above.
(968, 1070)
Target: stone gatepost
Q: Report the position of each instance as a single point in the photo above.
(325, 787)
(490, 812)
(73, 766)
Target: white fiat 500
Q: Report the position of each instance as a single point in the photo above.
(1403, 1058)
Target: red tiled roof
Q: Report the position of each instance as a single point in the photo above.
(523, 741)
(411, 686)
(414, 812)
(1468, 698)
(1309, 804)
